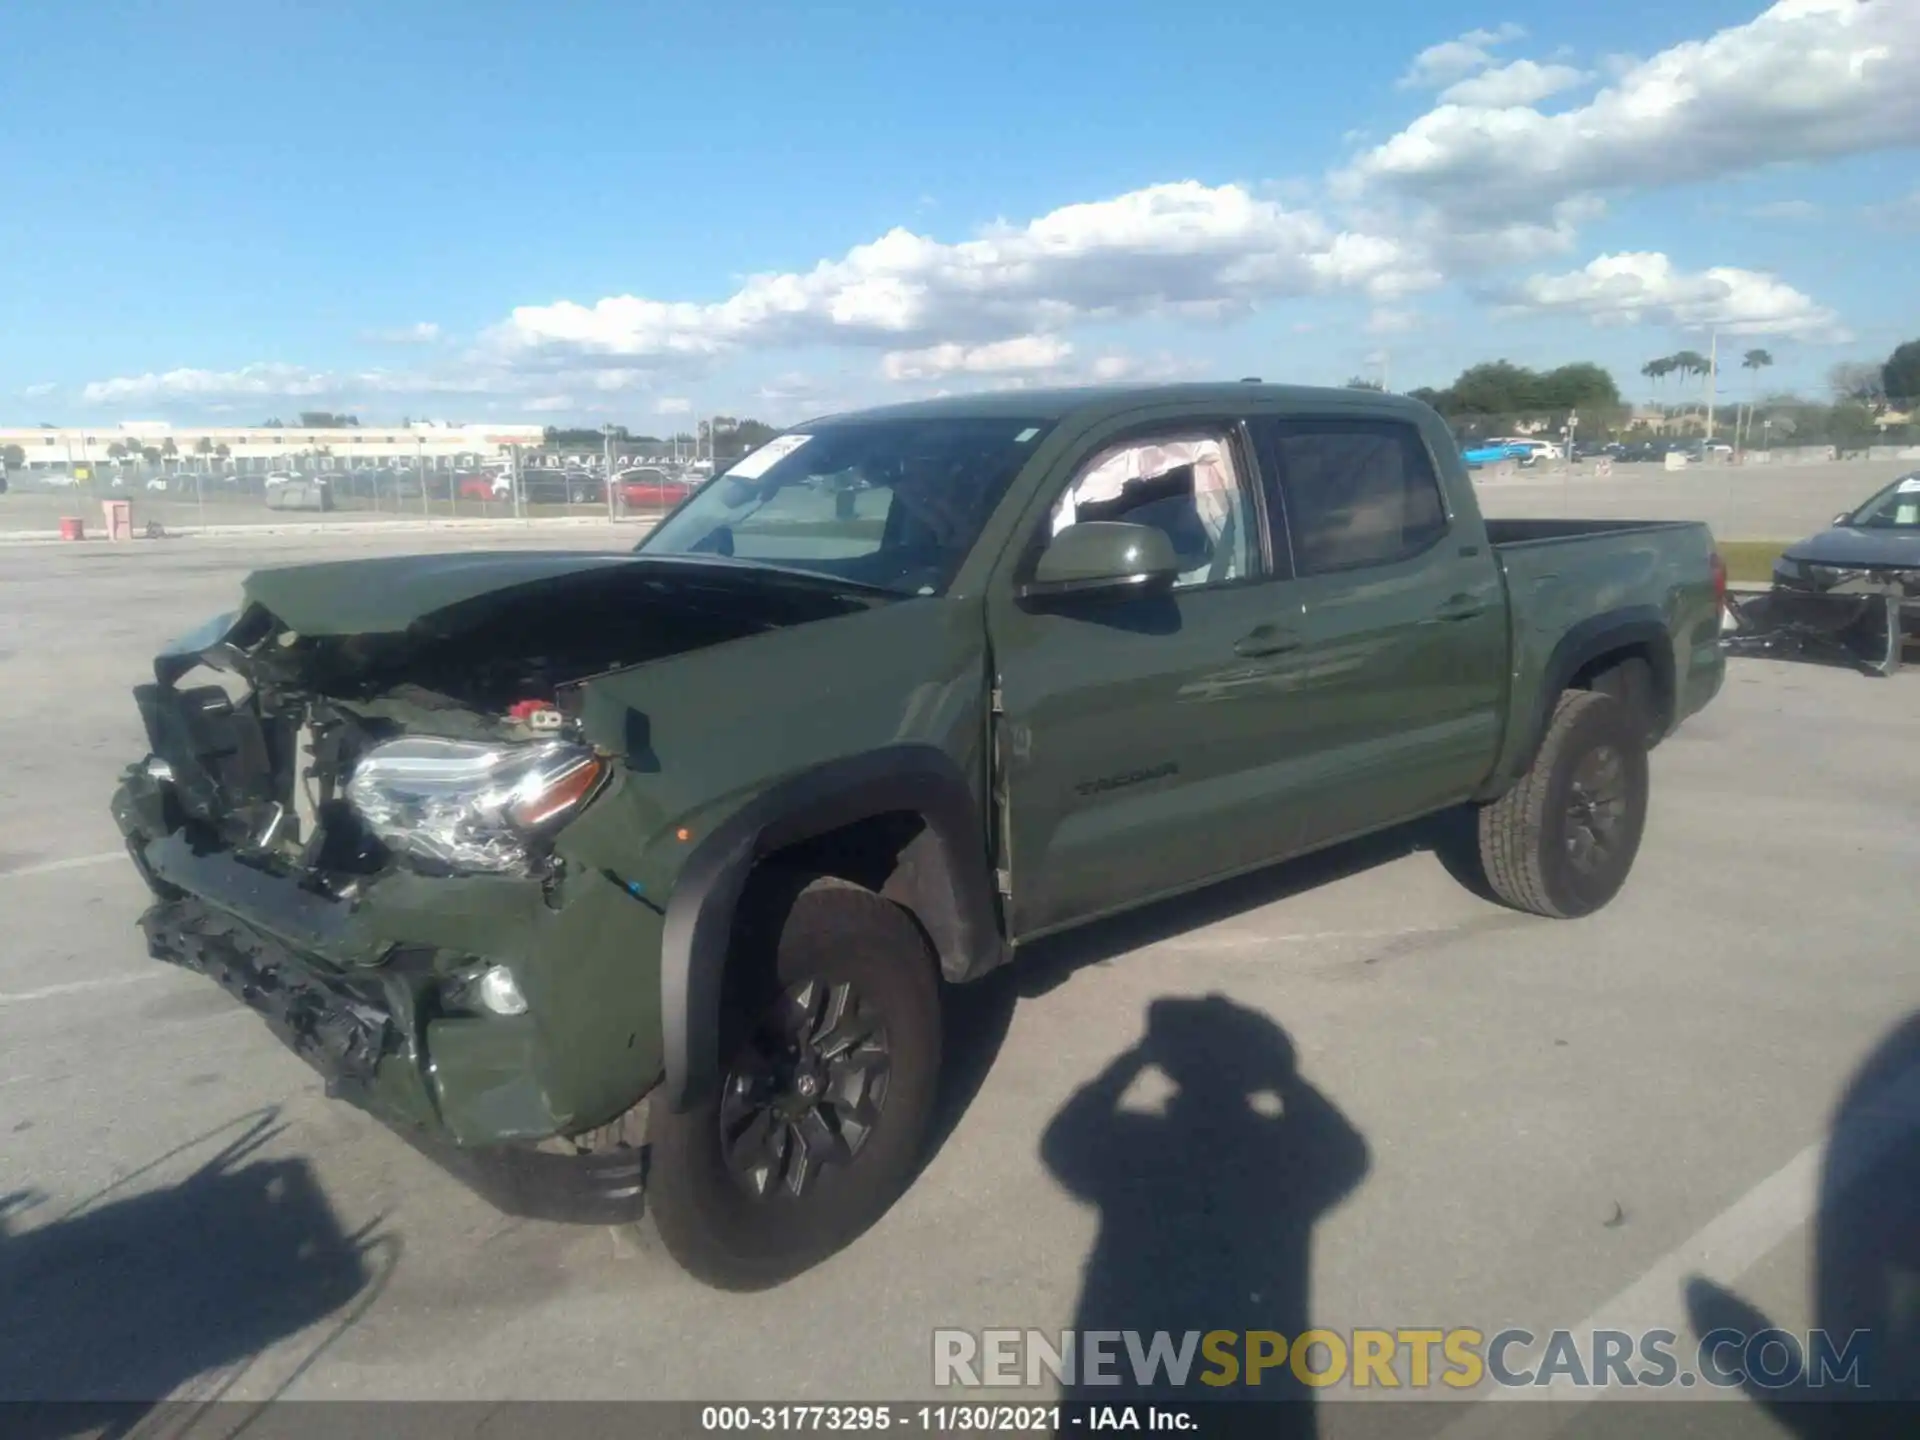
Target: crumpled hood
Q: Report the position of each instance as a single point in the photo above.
(1845, 545)
(387, 594)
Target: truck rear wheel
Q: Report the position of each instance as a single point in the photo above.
(1561, 841)
(830, 1061)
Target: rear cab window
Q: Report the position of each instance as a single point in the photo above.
(1350, 492)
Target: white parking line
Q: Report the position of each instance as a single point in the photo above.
(50, 867)
(75, 987)
(1736, 1239)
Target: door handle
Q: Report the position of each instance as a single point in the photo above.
(1461, 607)
(1266, 640)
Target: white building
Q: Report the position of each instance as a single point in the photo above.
(262, 448)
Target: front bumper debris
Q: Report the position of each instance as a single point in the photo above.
(1855, 629)
(343, 1031)
(363, 990)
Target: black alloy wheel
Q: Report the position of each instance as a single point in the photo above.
(1596, 809)
(830, 1048)
(806, 1090)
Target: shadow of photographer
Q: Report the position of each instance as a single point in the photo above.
(1207, 1200)
(126, 1298)
(1866, 1261)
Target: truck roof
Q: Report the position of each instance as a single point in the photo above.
(1098, 401)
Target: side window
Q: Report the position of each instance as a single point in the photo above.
(1186, 486)
(1358, 492)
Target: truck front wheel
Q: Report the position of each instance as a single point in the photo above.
(830, 1061)
(1561, 841)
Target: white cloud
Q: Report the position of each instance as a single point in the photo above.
(1646, 289)
(1900, 214)
(1023, 353)
(1785, 210)
(284, 381)
(1523, 82)
(672, 405)
(206, 389)
(1451, 60)
(1182, 249)
(35, 392)
(547, 404)
(1389, 321)
(1805, 80)
(424, 333)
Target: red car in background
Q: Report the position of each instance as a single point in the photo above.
(651, 489)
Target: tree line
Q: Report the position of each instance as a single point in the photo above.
(725, 437)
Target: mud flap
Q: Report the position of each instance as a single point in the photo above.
(1855, 630)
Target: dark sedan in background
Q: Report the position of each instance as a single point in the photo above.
(1870, 548)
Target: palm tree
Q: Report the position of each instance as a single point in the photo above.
(1755, 361)
(1690, 364)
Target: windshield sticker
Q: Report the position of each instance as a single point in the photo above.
(1027, 434)
(756, 464)
(1910, 485)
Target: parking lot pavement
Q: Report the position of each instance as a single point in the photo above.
(1482, 1119)
(1740, 502)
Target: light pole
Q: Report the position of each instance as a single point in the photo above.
(420, 468)
(606, 465)
(1713, 376)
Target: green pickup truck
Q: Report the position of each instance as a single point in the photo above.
(639, 878)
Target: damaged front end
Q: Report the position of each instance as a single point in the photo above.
(1856, 626)
(397, 843)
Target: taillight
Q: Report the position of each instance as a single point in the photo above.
(1719, 568)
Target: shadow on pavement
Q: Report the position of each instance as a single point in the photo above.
(978, 1016)
(1866, 1278)
(1208, 1194)
(124, 1299)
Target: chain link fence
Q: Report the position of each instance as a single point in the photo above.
(181, 498)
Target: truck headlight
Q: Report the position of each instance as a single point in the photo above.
(470, 806)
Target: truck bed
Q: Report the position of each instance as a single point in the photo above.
(1505, 533)
(1651, 577)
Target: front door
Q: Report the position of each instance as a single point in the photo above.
(1128, 726)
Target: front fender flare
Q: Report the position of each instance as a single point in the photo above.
(958, 911)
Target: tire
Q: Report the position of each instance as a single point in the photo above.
(1534, 846)
(738, 1225)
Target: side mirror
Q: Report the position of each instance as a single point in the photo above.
(1104, 556)
(1842, 517)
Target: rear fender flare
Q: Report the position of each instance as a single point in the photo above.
(949, 886)
(1640, 627)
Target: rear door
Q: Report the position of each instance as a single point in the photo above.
(1396, 693)
(1131, 728)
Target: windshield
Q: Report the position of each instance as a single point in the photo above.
(1895, 508)
(894, 504)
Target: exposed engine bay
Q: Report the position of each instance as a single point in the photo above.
(450, 745)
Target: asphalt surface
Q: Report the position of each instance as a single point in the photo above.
(1496, 1119)
(1740, 502)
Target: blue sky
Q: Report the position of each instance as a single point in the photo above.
(398, 208)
